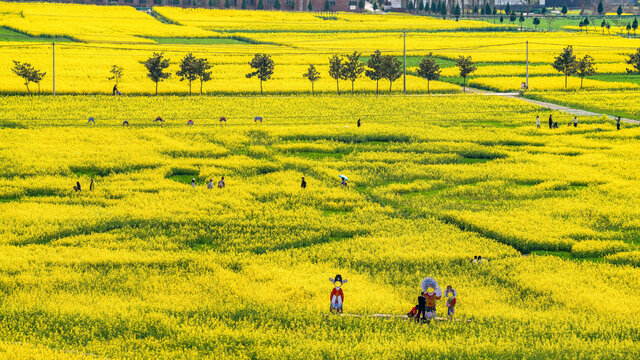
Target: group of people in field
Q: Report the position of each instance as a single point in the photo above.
(425, 310)
(77, 187)
(574, 122)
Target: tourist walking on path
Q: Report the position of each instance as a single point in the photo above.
(575, 121)
(550, 122)
(538, 121)
(618, 123)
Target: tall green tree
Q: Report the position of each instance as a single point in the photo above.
(262, 66)
(374, 71)
(156, 66)
(243, 6)
(327, 6)
(634, 60)
(619, 11)
(188, 69)
(521, 20)
(312, 75)
(203, 71)
(429, 69)
(487, 8)
(116, 73)
(391, 69)
(434, 7)
(564, 10)
(507, 9)
(421, 5)
(600, 8)
(260, 5)
(584, 67)
(227, 4)
(28, 73)
(353, 68)
(466, 67)
(565, 63)
(309, 6)
(457, 11)
(361, 5)
(276, 5)
(336, 70)
(536, 22)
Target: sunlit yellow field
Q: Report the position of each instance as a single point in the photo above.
(145, 265)
(147, 261)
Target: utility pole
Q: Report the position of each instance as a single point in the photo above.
(527, 64)
(404, 52)
(53, 46)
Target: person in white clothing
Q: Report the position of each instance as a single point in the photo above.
(210, 184)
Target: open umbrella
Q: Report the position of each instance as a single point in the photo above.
(430, 282)
(257, 118)
(343, 177)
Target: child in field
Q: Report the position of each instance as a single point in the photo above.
(221, 183)
(451, 293)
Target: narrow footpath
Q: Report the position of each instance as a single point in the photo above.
(551, 106)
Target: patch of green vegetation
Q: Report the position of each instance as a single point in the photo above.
(198, 41)
(7, 34)
(414, 61)
(629, 78)
(565, 255)
(318, 155)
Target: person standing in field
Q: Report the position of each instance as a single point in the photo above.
(77, 187)
(451, 293)
(344, 182)
(193, 183)
(223, 120)
(538, 121)
(303, 184)
(575, 121)
(421, 315)
(550, 122)
(358, 122)
(91, 120)
(210, 184)
(221, 183)
(618, 123)
(92, 185)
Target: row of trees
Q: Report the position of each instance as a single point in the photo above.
(346, 67)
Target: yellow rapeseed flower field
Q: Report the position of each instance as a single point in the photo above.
(146, 266)
(117, 241)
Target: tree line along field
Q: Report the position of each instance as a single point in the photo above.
(229, 39)
(146, 266)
